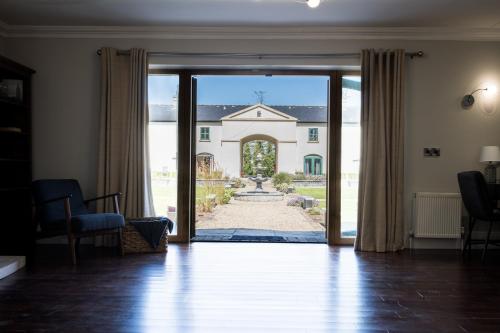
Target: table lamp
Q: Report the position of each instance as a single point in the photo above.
(490, 155)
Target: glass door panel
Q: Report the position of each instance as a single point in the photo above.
(350, 156)
(163, 96)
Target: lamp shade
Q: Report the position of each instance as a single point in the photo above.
(490, 154)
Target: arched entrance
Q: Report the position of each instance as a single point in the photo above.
(205, 161)
(251, 146)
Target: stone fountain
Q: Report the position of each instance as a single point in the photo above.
(258, 194)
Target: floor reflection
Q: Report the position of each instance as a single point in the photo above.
(228, 286)
(345, 294)
(165, 304)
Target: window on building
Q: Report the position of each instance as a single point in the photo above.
(313, 135)
(204, 133)
(313, 165)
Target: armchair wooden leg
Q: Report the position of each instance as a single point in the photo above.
(487, 241)
(71, 244)
(120, 242)
(77, 247)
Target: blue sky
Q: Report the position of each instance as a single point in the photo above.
(278, 90)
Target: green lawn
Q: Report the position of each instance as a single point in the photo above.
(166, 195)
(315, 192)
(348, 202)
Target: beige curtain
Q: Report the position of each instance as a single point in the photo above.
(380, 205)
(123, 145)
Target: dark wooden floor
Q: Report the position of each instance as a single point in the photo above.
(237, 287)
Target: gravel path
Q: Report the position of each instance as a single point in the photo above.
(258, 215)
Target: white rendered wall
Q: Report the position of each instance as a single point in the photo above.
(213, 146)
(230, 161)
(304, 147)
(286, 156)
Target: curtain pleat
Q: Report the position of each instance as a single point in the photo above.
(380, 200)
(123, 145)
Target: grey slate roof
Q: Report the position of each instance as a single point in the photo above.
(207, 113)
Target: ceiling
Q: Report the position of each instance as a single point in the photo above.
(339, 13)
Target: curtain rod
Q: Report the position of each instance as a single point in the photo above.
(412, 55)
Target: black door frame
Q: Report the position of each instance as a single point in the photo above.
(187, 144)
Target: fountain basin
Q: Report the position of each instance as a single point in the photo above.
(258, 196)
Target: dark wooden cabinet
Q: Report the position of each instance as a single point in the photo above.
(16, 231)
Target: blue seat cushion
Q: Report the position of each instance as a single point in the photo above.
(86, 222)
(96, 222)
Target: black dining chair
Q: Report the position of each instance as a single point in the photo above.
(479, 205)
(61, 210)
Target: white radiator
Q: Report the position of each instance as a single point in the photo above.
(437, 215)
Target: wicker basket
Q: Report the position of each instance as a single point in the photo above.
(133, 242)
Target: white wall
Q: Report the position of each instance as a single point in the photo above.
(282, 131)
(163, 146)
(293, 143)
(66, 99)
(213, 146)
(304, 147)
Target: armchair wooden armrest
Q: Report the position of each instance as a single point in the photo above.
(103, 197)
(115, 197)
(64, 197)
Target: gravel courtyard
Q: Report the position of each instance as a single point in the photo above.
(258, 215)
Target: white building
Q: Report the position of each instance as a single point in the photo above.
(299, 134)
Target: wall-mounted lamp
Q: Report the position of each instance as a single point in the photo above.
(313, 3)
(469, 99)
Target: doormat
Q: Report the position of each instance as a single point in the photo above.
(257, 238)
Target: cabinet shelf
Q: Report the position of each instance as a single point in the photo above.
(12, 103)
(15, 160)
(15, 157)
(12, 133)
(14, 188)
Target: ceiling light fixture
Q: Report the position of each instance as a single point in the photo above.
(313, 3)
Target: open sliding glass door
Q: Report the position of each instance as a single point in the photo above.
(163, 127)
(194, 103)
(170, 149)
(345, 149)
(334, 145)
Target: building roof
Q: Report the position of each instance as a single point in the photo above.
(209, 113)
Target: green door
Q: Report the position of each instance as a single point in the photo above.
(313, 165)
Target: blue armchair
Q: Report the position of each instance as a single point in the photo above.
(61, 210)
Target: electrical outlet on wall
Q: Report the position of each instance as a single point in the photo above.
(432, 152)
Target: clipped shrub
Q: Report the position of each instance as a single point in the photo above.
(237, 183)
(299, 175)
(283, 187)
(295, 201)
(226, 197)
(315, 177)
(281, 178)
(314, 211)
